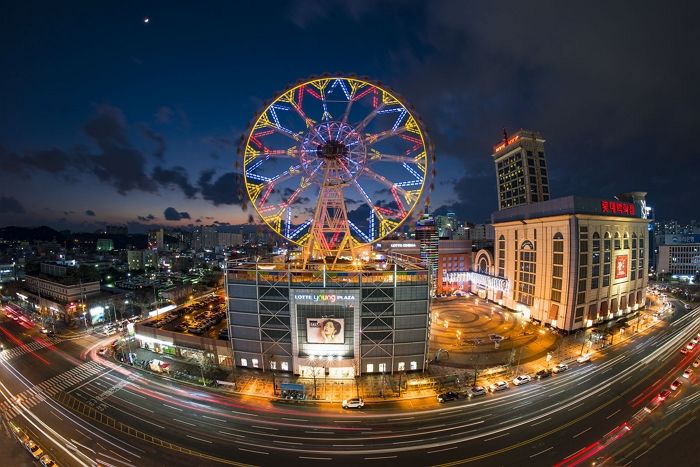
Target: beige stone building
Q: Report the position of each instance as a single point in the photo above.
(572, 262)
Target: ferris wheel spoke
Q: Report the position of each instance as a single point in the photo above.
(374, 138)
(377, 156)
(369, 117)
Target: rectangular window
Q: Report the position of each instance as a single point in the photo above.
(244, 362)
(370, 368)
(285, 366)
(581, 298)
(255, 363)
(273, 365)
(578, 316)
(414, 365)
(382, 367)
(402, 366)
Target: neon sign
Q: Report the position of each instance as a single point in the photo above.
(617, 207)
(506, 143)
(484, 280)
(332, 298)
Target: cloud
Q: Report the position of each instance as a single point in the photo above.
(157, 138)
(118, 163)
(90, 212)
(172, 214)
(147, 218)
(164, 114)
(176, 176)
(226, 189)
(10, 205)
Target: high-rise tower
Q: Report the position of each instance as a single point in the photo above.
(521, 169)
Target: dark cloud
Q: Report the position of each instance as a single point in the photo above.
(172, 214)
(10, 162)
(157, 138)
(164, 114)
(118, 163)
(68, 213)
(90, 212)
(147, 218)
(51, 160)
(226, 189)
(10, 205)
(176, 176)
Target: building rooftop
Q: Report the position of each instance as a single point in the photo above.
(570, 205)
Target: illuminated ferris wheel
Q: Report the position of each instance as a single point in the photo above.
(335, 163)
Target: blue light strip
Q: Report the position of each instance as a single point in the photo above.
(371, 224)
(399, 120)
(289, 222)
(392, 110)
(358, 231)
(413, 172)
(258, 177)
(345, 89)
(299, 229)
(409, 183)
(363, 191)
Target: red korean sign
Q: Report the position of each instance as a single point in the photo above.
(620, 267)
(617, 207)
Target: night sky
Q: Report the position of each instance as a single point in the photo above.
(109, 119)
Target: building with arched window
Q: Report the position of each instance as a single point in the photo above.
(572, 262)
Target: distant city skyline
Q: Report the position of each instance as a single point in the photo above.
(127, 122)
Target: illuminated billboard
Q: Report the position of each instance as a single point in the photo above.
(620, 267)
(325, 330)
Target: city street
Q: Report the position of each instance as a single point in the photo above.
(543, 422)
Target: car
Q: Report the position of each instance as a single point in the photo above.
(498, 386)
(584, 358)
(696, 363)
(663, 395)
(675, 385)
(543, 373)
(684, 351)
(356, 403)
(690, 346)
(694, 341)
(687, 307)
(560, 367)
(102, 351)
(475, 391)
(688, 371)
(447, 396)
(44, 330)
(33, 449)
(522, 379)
(46, 461)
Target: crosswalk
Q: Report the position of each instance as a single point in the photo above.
(33, 346)
(37, 394)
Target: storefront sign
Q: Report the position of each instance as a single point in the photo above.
(331, 298)
(484, 280)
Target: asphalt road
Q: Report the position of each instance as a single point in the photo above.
(570, 418)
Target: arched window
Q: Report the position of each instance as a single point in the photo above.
(595, 261)
(606, 259)
(526, 270)
(625, 241)
(617, 240)
(501, 256)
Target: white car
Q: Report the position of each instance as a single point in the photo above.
(688, 371)
(498, 386)
(522, 379)
(356, 403)
(560, 367)
(584, 358)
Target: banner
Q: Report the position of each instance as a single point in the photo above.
(325, 330)
(620, 267)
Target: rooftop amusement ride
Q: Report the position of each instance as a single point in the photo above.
(329, 144)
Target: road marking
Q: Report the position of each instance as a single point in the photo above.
(380, 457)
(285, 442)
(541, 421)
(584, 381)
(263, 427)
(347, 445)
(404, 442)
(347, 421)
(199, 439)
(174, 408)
(252, 450)
(181, 421)
(212, 418)
(555, 393)
(115, 459)
(575, 407)
(314, 432)
(548, 449)
(576, 436)
(499, 436)
(608, 417)
(56, 415)
(83, 446)
(243, 413)
(231, 434)
(401, 419)
(603, 392)
(445, 449)
(295, 419)
(317, 458)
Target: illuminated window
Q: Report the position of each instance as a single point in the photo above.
(414, 365)
(525, 276)
(370, 368)
(382, 367)
(273, 365)
(558, 266)
(402, 366)
(606, 259)
(285, 366)
(255, 363)
(244, 362)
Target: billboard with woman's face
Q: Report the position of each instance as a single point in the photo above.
(325, 330)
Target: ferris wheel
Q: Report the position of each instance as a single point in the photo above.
(335, 163)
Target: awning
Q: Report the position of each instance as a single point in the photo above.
(292, 387)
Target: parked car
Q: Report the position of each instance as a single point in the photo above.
(522, 379)
(475, 391)
(675, 385)
(498, 386)
(560, 367)
(356, 403)
(543, 373)
(447, 396)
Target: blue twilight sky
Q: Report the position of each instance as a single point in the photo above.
(109, 119)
